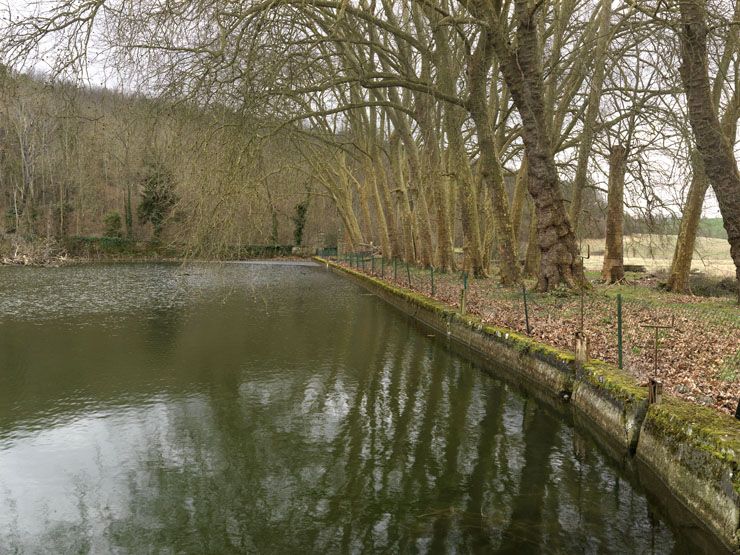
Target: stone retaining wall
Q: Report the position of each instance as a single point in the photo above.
(693, 450)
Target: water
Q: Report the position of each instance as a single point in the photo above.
(276, 409)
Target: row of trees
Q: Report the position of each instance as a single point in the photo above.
(414, 116)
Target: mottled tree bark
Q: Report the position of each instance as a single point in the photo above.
(426, 234)
(612, 270)
(459, 168)
(678, 280)
(519, 64)
(716, 151)
(424, 247)
(459, 165)
(391, 213)
(345, 204)
(382, 218)
(519, 198)
(441, 203)
(532, 259)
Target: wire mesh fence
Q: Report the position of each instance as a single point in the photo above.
(697, 338)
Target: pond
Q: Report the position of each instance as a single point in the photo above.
(276, 408)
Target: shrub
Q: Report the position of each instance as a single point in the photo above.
(707, 286)
(157, 198)
(299, 221)
(113, 225)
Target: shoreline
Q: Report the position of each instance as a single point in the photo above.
(692, 450)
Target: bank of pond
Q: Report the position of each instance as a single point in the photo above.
(279, 407)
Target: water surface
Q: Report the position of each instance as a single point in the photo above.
(276, 409)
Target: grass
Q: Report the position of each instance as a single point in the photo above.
(730, 368)
(655, 252)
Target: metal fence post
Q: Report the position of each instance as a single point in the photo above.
(372, 264)
(408, 273)
(431, 274)
(526, 308)
(382, 267)
(619, 328)
(395, 269)
(581, 341)
(656, 387)
(463, 291)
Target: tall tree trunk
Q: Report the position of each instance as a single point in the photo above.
(273, 219)
(678, 281)
(429, 130)
(463, 178)
(128, 214)
(391, 219)
(373, 167)
(382, 215)
(559, 260)
(362, 197)
(425, 244)
(613, 269)
(532, 260)
(716, 151)
(489, 164)
(683, 254)
(343, 201)
(457, 157)
(519, 198)
(440, 197)
(425, 226)
(592, 112)
(408, 218)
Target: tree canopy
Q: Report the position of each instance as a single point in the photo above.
(435, 123)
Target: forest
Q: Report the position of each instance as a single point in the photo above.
(490, 136)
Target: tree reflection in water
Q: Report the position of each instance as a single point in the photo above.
(298, 415)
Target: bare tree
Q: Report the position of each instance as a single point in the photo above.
(713, 145)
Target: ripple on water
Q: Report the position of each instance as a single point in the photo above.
(253, 408)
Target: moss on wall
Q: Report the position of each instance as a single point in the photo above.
(704, 445)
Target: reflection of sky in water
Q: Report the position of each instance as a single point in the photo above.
(86, 462)
(252, 408)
